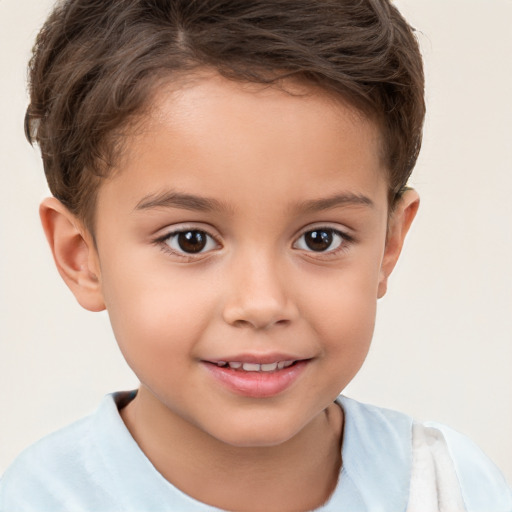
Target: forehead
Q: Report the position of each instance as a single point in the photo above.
(203, 97)
(221, 134)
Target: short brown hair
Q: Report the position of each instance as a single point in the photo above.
(95, 63)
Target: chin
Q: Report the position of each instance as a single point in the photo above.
(256, 435)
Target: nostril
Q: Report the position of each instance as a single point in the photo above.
(242, 323)
(259, 325)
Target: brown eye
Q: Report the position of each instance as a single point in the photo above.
(192, 241)
(320, 240)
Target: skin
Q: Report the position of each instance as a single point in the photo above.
(274, 166)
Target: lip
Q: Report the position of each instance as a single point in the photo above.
(257, 384)
(266, 358)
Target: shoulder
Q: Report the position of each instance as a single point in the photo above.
(48, 475)
(386, 438)
(483, 486)
(94, 464)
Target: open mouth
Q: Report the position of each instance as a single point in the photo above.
(255, 367)
(257, 379)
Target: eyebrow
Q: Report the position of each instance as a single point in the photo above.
(172, 199)
(341, 199)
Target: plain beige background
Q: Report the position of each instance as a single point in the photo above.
(443, 344)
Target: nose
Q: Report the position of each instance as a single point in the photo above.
(258, 296)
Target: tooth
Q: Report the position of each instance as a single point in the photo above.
(268, 367)
(251, 367)
(235, 365)
(287, 363)
(280, 365)
(221, 363)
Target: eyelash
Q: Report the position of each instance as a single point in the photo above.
(164, 242)
(345, 240)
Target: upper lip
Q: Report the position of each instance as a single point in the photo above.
(257, 358)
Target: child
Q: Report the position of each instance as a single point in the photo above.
(229, 182)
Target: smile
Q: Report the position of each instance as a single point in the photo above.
(255, 367)
(257, 380)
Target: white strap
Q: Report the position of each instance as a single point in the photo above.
(434, 483)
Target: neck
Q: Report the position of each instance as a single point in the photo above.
(299, 474)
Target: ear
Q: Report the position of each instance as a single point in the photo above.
(399, 223)
(74, 253)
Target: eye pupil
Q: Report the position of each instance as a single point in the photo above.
(192, 241)
(319, 240)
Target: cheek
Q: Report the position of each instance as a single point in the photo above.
(346, 333)
(345, 313)
(155, 317)
(348, 325)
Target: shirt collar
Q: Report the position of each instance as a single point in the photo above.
(376, 459)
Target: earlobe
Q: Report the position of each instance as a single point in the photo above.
(74, 253)
(399, 224)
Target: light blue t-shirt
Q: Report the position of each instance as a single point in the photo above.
(95, 465)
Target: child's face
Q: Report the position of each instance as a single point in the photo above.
(246, 225)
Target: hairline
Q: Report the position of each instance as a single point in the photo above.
(176, 81)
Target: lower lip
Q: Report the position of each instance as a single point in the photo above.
(257, 384)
